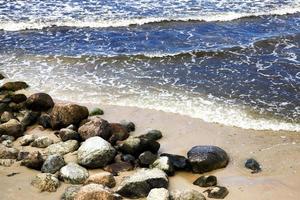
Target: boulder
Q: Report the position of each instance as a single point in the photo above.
(96, 111)
(42, 142)
(179, 162)
(118, 132)
(140, 183)
(147, 158)
(63, 148)
(33, 160)
(7, 162)
(12, 128)
(39, 102)
(164, 164)
(8, 152)
(26, 140)
(30, 118)
(45, 182)
(18, 98)
(152, 135)
(96, 126)
(22, 155)
(217, 192)
(6, 116)
(70, 192)
(95, 152)
(206, 181)
(186, 195)
(253, 165)
(73, 173)
(103, 178)
(45, 121)
(68, 134)
(14, 86)
(96, 192)
(129, 126)
(63, 115)
(207, 158)
(53, 163)
(158, 194)
(116, 168)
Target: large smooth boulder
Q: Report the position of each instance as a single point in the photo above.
(96, 192)
(188, 194)
(8, 152)
(63, 148)
(103, 178)
(13, 128)
(73, 173)
(158, 194)
(63, 115)
(95, 126)
(95, 152)
(207, 158)
(53, 163)
(39, 102)
(140, 183)
(14, 86)
(45, 182)
(33, 160)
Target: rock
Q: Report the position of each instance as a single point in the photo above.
(63, 148)
(26, 140)
(16, 107)
(45, 121)
(7, 162)
(6, 116)
(39, 102)
(45, 182)
(68, 134)
(206, 181)
(8, 152)
(140, 183)
(33, 160)
(42, 142)
(63, 115)
(73, 173)
(70, 192)
(103, 178)
(18, 98)
(72, 127)
(4, 107)
(128, 158)
(30, 118)
(152, 135)
(95, 127)
(96, 192)
(12, 128)
(7, 137)
(53, 163)
(217, 192)
(129, 126)
(118, 132)
(147, 158)
(116, 168)
(14, 86)
(22, 155)
(2, 77)
(7, 143)
(164, 164)
(207, 158)
(158, 194)
(186, 195)
(96, 111)
(253, 165)
(179, 162)
(95, 152)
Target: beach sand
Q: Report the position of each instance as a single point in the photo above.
(277, 152)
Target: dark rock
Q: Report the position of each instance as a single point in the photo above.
(68, 134)
(33, 160)
(96, 126)
(217, 192)
(18, 98)
(96, 111)
(207, 158)
(152, 135)
(164, 164)
(45, 121)
(16, 107)
(206, 181)
(7, 143)
(2, 76)
(70, 192)
(6, 116)
(116, 168)
(73, 173)
(8, 152)
(147, 158)
(45, 182)
(96, 192)
(12, 128)
(42, 142)
(30, 118)
(179, 162)
(63, 115)
(128, 158)
(22, 155)
(6, 99)
(118, 132)
(39, 102)
(53, 163)
(14, 86)
(253, 165)
(130, 126)
(4, 107)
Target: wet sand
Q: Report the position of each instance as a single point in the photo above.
(278, 153)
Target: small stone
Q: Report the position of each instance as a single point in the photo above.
(63, 148)
(96, 111)
(7, 162)
(253, 165)
(45, 182)
(33, 160)
(8, 152)
(147, 158)
(186, 195)
(73, 173)
(68, 134)
(128, 158)
(96, 192)
(152, 135)
(2, 76)
(206, 181)
(158, 194)
(26, 140)
(103, 178)
(116, 168)
(22, 155)
(130, 126)
(7, 143)
(164, 164)
(118, 132)
(12, 128)
(45, 121)
(70, 192)
(42, 142)
(39, 102)
(7, 137)
(6, 116)
(30, 118)
(53, 163)
(217, 192)
(14, 86)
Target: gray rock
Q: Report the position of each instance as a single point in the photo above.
(253, 165)
(140, 183)
(217, 192)
(12, 128)
(7, 162)
(22, 155)
(207, 158)
(53, 163)
(152, 135)
(95, 152)
(70, 192)
(95, 126)
(164, 164)
(7, 137)
(45, 182)
(186, 195)
(147, 158)
(73, 173)
(63, 148)
(30, 118)
(42, 142)
(158, 194)
(96, 111)
(96, 191)
(6, 116)
(39, 102)
(45, 121)
(26, 140)
(8, 152)
(206, 181)
(68, 134)
(130, 126)
(33, 160)
(103, 178)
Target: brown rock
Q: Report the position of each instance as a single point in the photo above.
(13, 128)
(8, 152)
(14, 86)
(39, 102)
(96, 192)
(103, 178)
(96, 126)
(119, 133)
(115, 168)
(33, 160)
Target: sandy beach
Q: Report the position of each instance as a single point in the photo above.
(277, 152)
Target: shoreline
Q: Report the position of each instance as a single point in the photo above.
(277, 152)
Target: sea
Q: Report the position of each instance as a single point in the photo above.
(232, 62)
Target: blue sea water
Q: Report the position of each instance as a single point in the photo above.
(227, 61)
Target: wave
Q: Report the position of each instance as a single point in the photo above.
(213, 17)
